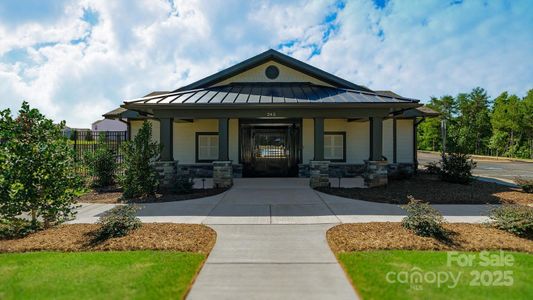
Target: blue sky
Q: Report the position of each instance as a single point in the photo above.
(75, 60)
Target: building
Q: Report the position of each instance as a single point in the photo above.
(273, 115)
(109, 125)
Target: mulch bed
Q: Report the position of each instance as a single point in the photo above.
(112, 196)
(151, 236)
(431, 189)
(389, 236)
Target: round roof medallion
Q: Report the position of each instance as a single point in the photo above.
(272, 72)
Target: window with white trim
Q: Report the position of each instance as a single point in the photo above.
(334, 146)
(206, 146)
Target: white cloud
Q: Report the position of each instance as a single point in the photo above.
(75, 71)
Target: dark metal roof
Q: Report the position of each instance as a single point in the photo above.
(121, 112)
(422, 111)
(268, 93)
(277, 57)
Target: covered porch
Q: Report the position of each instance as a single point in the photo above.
(289, 129)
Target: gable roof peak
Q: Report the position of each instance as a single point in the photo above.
(281, 58)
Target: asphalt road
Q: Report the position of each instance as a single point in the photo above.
(504, 170)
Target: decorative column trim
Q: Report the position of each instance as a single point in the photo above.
(394, 140)
(318, 139)
(376, 138)
(223, 139)
(165, 138)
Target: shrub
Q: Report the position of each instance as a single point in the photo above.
(101, 164)
(433, 168)
(118, 221)
(17, 228)
(184, 184)
(516, 219)
(457, 168)
(525, 184)
(37, 176)
(140, 177)
(423, 219)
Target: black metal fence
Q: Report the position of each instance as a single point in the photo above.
(87, 141)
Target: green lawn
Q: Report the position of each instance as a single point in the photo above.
(369, 271)
(97, 275)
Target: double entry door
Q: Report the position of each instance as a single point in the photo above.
(270, 151)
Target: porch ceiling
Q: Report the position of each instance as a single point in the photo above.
(284, 94)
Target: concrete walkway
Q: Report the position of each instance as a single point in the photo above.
(271, 237)
(278, 201)
(271, 262)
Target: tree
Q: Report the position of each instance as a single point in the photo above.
(471, 130)
(429, 131)
(526, 106)
(507, 124)
(140, 177)
(36, 169)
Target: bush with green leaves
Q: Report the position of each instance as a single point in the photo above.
(423, 219)
(37, 176)
(525, 183)
(433, 168)
(101, 164)
(118, 221)
(514, 218)
(17, 228)
(140, 177)
(184, 184)
(457, 168)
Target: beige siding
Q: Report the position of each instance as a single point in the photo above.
(234, 140)
(405, 141)
(185, 138)
(357, 138)
(308, 131)
(388, 144)
(136, 125)
(286, 74)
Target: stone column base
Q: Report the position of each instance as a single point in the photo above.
(375, 173)
(318, 173)
(222, 174)
(166, 170)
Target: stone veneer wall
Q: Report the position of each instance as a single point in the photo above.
(166, 170)
(205, 170)
(346, 170)
(222, 174)
(376, 173)
(319, 173)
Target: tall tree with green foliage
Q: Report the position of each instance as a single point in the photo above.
(140, 177)
(429, 131)
(36, 168)
(507, 124)
(471, 130)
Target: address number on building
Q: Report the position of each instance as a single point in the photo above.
(271, 114)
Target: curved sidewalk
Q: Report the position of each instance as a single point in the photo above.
(278, 201)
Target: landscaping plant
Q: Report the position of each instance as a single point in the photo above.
(118, 221)
(140, 177)
(101, 164)
(423, 219)
(457, 168)
(16, 228)
(516, 219)
(37, 175)
(184, 184)
(525, 184)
